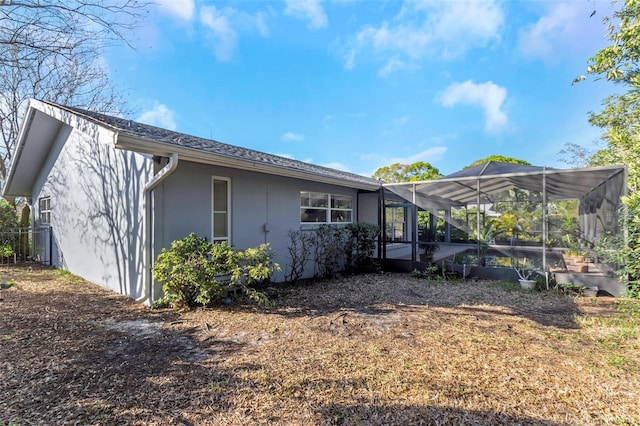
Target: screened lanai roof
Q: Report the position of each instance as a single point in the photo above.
(463, 187)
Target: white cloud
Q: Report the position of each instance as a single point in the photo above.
(260, 22)
(224, 36)
(307, 9)
(225, 24)
(488, 96)
(565, 29)
(160, 116)
(392, 65)
(289, 136)
(349, 59)
(326, 120)
(428, 29)
(429, 155)
(183, 9)
(401, 121)
(541, 39)
(337, 166)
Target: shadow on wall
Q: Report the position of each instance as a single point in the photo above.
(104, 205)
(57, 187)
(115, 210)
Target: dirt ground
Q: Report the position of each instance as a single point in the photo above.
(379, 349)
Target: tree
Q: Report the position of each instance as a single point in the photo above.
(52, 50)
(498, 159)
(413, 172)
(620, 116)
(620, 121)
(8, 215)
(576, 155)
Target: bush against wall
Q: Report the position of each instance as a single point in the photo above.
(251, 267)
(332, 248)
(300, 248)
(195, 271)
(360, 244)
(328, 249)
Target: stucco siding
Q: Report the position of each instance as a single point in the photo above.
(368, 211)
(368, 207)
(96, 196)
(264, 207)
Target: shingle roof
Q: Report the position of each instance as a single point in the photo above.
(208, 146)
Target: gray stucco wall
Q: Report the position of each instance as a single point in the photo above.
(182, 204)
(96, 206)
(368, 207)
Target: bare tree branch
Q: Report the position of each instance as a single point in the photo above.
(52, 50)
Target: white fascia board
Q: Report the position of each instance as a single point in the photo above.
(21, 140)
(70, 118)
(188, 154)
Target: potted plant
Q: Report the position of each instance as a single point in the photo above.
(574, 256)
(524, 275)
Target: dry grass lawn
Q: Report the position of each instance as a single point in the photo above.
(385, 349)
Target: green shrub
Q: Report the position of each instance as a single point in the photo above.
(360, 243)
(8, 214)
(623, 249)
(195, 271)
(6, 250)
(332, 247)
(187, 274)
(252, 267)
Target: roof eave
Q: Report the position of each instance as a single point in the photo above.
(132, 143)
(21, 140)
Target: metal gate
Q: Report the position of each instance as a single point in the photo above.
(26, 244)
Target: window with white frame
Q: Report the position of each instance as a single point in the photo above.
(396, 220)
(44, 207)
(321, 207)
(221, 209)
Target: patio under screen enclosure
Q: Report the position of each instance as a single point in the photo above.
(484, 219)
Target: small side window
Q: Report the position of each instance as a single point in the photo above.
(44, 207)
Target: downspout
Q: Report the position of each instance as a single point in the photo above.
(32, 226)
(147, 278)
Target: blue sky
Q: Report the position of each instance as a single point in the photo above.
(356, 85)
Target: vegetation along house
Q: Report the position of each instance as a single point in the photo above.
(115, 192)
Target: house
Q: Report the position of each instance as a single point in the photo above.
(115, 192)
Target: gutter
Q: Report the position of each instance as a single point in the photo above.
(193, 155)
(147, 279)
